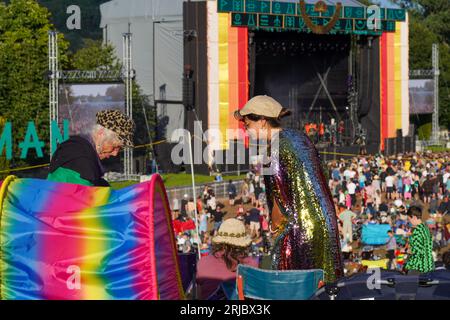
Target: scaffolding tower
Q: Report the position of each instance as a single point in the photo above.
(126, 75)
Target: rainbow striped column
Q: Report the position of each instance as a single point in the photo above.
(227, 53)
(394, 66)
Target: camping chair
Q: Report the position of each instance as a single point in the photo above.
(188, 267)
(259, 284)
(225, 291)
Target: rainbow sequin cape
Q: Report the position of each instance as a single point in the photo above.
(309, 236)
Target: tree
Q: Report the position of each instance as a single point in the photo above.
(430, 23)
(94, 55)
(24, 27)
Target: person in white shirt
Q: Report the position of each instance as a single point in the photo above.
(445, 177)
(389, 186)
(211, 203)
(351, 188)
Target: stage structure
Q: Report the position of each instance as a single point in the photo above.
(126, 76)
(325, 61)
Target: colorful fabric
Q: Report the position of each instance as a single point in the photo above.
(382, 263)
(421, 244)
(375, 234)
(66, 241)
(309, 238)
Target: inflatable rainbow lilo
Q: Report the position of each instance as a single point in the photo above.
(66, 241)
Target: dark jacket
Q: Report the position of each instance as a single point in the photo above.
(76, 161)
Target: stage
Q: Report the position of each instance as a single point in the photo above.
(324, 62)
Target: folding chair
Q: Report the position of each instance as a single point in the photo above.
(259, 284)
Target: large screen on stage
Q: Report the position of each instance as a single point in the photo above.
(79, 103)
(421, 96)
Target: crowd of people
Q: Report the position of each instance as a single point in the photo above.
(246, 202)
(379, 190)
(407, 192)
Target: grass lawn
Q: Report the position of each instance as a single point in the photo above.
(438, 149)
(178, 180)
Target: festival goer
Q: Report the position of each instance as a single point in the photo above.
(347, 217)
(217, 216)
(389, 186)
(183, 207)
(203, 223)
(351, 188)
(190, 208)
(231, 188)
(420, 244)
(230, 247)
(391, 246)
(253, 220)
(306, 239)
(77, 160)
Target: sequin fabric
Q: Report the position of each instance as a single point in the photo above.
(308, 238)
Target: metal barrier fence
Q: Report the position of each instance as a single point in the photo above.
(219, 188)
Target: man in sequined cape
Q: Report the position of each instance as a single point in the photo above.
(307, 235)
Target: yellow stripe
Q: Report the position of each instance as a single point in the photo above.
(93, 286)
(3, 190)
(223, 78)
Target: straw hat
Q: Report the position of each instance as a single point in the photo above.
(232, 231)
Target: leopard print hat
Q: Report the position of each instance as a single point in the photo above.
(119, 123)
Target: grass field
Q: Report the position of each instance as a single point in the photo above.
(178, 180)
(438, 149)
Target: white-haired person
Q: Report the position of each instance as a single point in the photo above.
(77, 160)
(230, 247)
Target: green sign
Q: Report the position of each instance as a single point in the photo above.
(396, 14)
(357, 26)
(230, 6)
(270, 21)
(257, 6)
(244, 20)
(354, 12)
(294, 9)
(283, 8)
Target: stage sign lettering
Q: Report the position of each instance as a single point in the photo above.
(287, 15)
(345, 26)
(257, 6)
